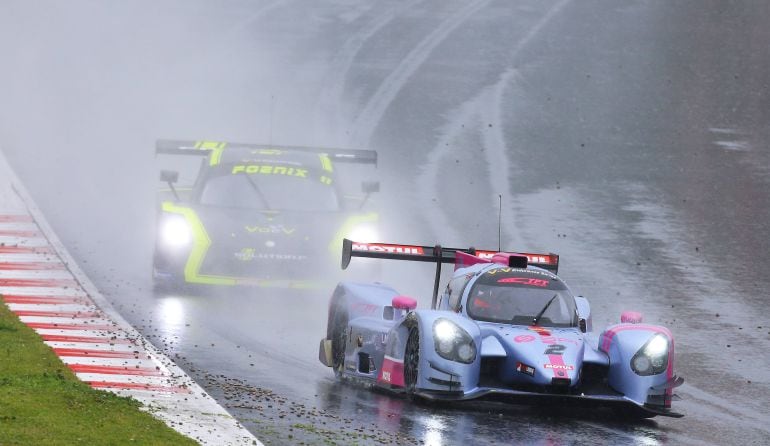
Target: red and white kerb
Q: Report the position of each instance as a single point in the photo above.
(39, 288)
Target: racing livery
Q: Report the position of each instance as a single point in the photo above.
(256, 215)
(505, 328)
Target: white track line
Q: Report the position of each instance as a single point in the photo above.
(372, 113)
(331, 97)
(485, 108)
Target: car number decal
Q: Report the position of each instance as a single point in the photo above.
(555, 349)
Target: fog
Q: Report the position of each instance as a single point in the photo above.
(94, 84)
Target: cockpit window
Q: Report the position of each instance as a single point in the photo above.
(455, 289)
(269, 192)
(519, 296)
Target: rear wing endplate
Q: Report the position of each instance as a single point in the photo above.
(439, 255)
(204, 148)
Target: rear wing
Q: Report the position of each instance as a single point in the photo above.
(440, 255)
(204, 148)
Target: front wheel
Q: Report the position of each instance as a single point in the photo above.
(412, 360)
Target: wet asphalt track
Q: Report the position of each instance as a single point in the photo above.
(630, 138)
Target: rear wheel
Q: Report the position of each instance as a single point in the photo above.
(412, 360)
(339, 341)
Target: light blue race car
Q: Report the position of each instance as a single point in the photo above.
(505, 328)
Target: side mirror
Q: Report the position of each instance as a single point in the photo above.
(398, 305)
(631, 317)
(369, 187)
(169, 176)
(584, 314)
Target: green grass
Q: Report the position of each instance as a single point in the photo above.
(43, 403)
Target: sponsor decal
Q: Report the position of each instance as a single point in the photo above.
(391, 249)
(504, 270)
(524, 281)
(271, 256)
(271, 229)
(555, 349)
(392, 372)
(524, 368)
(210, 145)
(547, 339)
(362, 307)
(266, 152)
(266, 169)
(528, 272)
(248, 254)
(540, 330)
(524, 338)
(558, 366)
(538, 259)
(531, 258)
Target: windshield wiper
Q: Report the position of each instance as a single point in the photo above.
(259, 191)
(539, 315)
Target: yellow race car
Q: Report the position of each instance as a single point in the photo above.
(259, 215)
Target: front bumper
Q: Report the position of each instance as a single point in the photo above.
(534, 398)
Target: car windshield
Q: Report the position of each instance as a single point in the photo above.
(274, 192)
(518, 296)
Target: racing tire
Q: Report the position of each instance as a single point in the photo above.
(339, 341)
(162, 285)
(412, 360)
(167, 285)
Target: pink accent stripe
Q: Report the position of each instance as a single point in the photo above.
(16, 218)
(19, 233)
(610, 333)
(114, 370)
(26, 250)
(557, 360)
(95, 353)
(38, 282)
(18, 299)
(85, 339)
(463, 260)
(137, 386)
(67, 314)
(28, 266)
(56, 326)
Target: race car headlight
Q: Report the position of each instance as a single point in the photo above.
(652, 358)
(365, 233)
(175, 231)
(452, 342)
